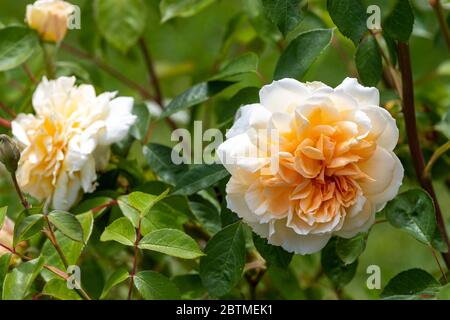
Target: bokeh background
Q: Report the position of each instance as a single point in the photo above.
(189, 50)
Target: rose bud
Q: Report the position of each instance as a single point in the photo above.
(9, 153)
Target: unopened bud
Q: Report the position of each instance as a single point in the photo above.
(9, 153)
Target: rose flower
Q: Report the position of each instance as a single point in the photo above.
(49, 18)
(335, 165)
(68, 139)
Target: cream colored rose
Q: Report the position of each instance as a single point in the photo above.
(49, 18)
(6, 235)
(68, 139)
(335, 162)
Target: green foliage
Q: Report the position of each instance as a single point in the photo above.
(274, 255)
(399, 23)
(67, 224)
(121, 22)
(3, 215)
(172, 242)
(337, 270)
(350, 17)
(413, 211)
(200, 177)
(409, 283)
(284, 13)
(222, 267)
(122, 231)
(117, 277)
(368, 62)
(154, 286)
(301, 53)
(159, 159)
(5, 260)
(349, 250)
(57, 288)
(17, 283)
(17, 44)
(27, 227)
(181, 8)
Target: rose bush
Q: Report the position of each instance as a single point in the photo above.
(239, 149)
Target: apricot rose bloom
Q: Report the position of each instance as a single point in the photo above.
(68, 139)
(335, 165)
(49, 18)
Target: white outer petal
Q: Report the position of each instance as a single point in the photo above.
(119, 120)
(283, 95)
(364, 95)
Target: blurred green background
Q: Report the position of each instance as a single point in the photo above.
(189, 50)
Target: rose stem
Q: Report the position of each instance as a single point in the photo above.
(135, 257)
(413, 138)
(22, 198)
(9, 111)
(437, 6)
(114, 73)
(49, 65)
(5, 123)
(52, 269)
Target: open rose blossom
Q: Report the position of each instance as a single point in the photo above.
(68, 139)
(6, 235)
(49, 18)
(335, 165)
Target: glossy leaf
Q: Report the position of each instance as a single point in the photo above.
(27, 227)
(155, 286)
(181, 8)
(68, 224)
(17, 44)
(274, 255)
(17, 283)
(336, 270)
(144, 202)
(350, 17)
(171, 242)
(222, 267)
(350, 249)
(200, 177)
(368, 62)
(301, 53)
(285, 14)
(5, 260)
(208, 216)
(118, 276)
(121, 230)
(247, 63)
(399, 23)
(409, 282)
(57, 288)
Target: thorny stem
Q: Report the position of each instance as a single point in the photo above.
(5, 123)
(52, 269)
(135, 257)
(437, 6)
(51, 236)
(22, 198)
(413, 138)
(436, 155)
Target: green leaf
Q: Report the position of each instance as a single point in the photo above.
(222, 267)
(140, 127)
(5, 259)
(181, 8)
(17, 283)
(413, 211)
(208, 216)
(190, 286)
(154, 286)
(409, 282)
(349, 250)
(117, 277)
(336, 270)
(72, 249)
(17, 44)
(3, 216)
(350, 17)
(399, 24)
(121, 22)
(27, 227)
(284, 13)
(200, 177)
(57, 288)
(172, 242)
(90, 204)
(68, 224)
(368, 62)
(129, 211)
(286, 282)
(301, 53)
(195, 95)
(144, 202)
(159, 158)
(274, 255)
(247, 63)
(121, 230)
(444, 293)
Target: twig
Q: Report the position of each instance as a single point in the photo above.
(435, 156)
(135, 257)
(104, 206)
(5, 123)
(413, 138)
(51, 236)
(23, 200)
(9, 111)
(437, 6)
